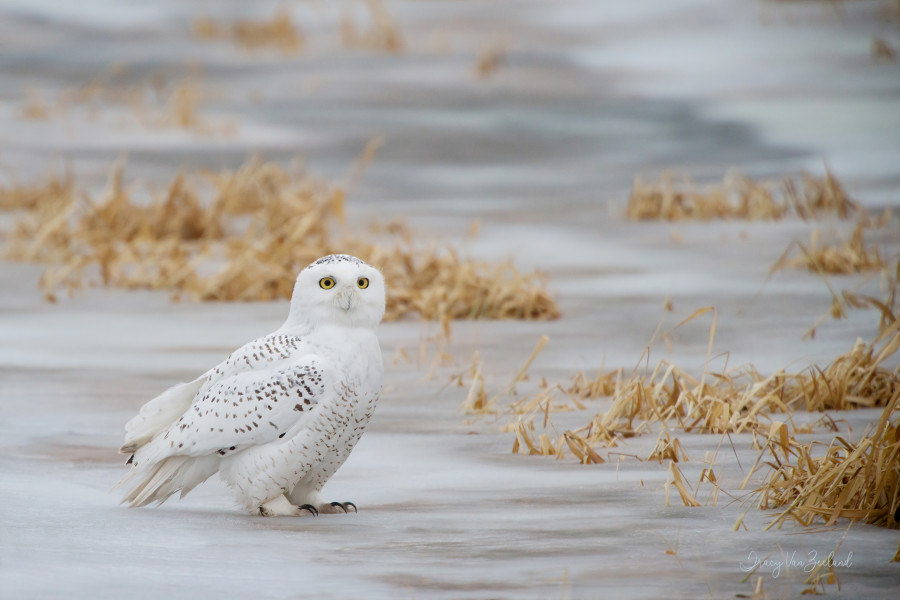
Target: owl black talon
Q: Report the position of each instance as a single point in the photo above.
(344, 505)
(309, 507)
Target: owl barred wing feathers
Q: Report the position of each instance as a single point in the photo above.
(253, 387)
(159, 413)
(233, 412)
(280, 415)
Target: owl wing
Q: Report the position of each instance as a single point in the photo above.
(268, 354)
(248, 408)
(262, 353)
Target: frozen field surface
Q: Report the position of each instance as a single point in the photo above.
(543, 152)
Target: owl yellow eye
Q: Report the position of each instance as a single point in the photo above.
(326, 283)
(362, 282)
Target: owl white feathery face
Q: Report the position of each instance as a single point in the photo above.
(338, 289)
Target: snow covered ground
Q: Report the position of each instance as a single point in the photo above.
(543, 153)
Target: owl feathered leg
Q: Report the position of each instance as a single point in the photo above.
(304, 495)
(280, 506)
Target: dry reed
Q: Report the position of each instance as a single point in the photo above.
(246, 241)
(377, 30)
(735, 401)
(489, 59)
(477, 401)
(677, 198)
(555, 398)
(676, 480)
(43, 196)
(812, 197)
(603, 384)
(731, 401)
(581, 449)
(181, 107)
(153, 102)
(668, 448)
(526, 442)
(278, 33)
(852, 480)
(525, 410)
(855, 379)
(852, 299)
(846, 257)
(36, 108)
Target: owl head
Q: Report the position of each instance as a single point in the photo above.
(338, 289)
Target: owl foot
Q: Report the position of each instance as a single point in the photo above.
(282, 507)
(337, 508)
(309, 507)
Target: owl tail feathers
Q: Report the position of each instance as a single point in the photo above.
(158, 481)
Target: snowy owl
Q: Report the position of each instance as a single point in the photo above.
(281, 414)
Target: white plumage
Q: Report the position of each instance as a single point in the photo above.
(281, 414)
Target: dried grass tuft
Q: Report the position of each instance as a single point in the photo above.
(527, 442)
(603, 384)
(548, 399)
(36, 108)
(245, 240)
(736, 400)
(688, 495)
(582, 449)
(438, 284)
(181, 107)
(476, 402)
(278, 33)
(811, 196)
(713, 403)
(677, 198)
(844, 258)
(153, 102)
(376, 31)
(676, 480)
(855, 379)
(859, 481)
(668, 448)
(851, 299)
(43, 196)
(489, 59)
(731, 401)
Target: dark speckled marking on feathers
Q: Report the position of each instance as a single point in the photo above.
(305, 382)
(336, 258)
